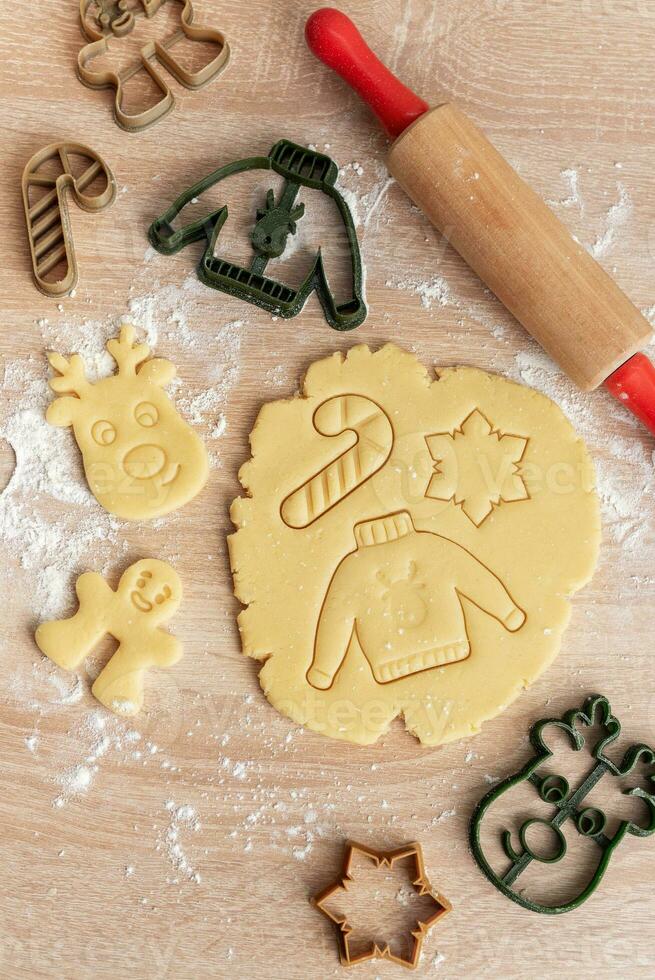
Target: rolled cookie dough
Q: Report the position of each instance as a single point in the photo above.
(408, 546)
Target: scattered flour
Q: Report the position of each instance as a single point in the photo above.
(574, 199)
(181, 819)
(444, 815)
(32, 742)
(98, 735)
(400, 36)
(624, 464)
(405, 895)
(203, 407)
(649, 313)
(70, 689)
(430, 291)
(166, 310)
(364, 205)
(375, 199)
(617, 216)
(49, 521)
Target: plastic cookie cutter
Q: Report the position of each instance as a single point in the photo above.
(104, 22)
(565, 803)
(275, 223)
(47, 176)
(327, 902)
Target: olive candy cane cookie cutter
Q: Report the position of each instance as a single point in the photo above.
(114, 19)
(275, 222)
(48, 225)
(568, 803)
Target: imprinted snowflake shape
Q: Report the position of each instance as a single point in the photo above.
(381, 860)
(477, 467)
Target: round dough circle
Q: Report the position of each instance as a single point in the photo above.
(409, 546)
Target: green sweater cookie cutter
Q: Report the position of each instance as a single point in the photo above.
(554, 790)
(275, 223)
(104, 21)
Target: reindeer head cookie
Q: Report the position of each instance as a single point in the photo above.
(141, 459)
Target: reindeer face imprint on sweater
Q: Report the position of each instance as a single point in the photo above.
(148, 594)
(368, 597)
(141, 459)
(405, 599)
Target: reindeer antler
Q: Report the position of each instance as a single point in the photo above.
(125, 352)
(72, 377)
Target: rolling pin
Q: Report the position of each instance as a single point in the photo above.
(500, 226)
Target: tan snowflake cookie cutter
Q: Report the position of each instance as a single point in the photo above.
(344, 929)
(115, 19)
(141, 459)
(148, 594)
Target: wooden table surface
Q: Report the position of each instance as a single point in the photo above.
(185, 843)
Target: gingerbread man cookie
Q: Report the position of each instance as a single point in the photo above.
(141, 459)
(409, 546)
(148, 594)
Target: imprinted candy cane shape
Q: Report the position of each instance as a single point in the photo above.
(342, 413)
(52, 170)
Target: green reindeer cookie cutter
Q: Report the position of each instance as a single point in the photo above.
(568, 804)
(275, 223)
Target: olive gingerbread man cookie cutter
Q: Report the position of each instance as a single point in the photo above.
(148, 594)
(105, 22)
(565, 805)
(141, 459)
(46, 178)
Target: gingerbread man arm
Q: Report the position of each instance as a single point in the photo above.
(91, 588)
(166, 649)
(68, 641)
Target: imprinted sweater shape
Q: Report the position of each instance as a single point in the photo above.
(400, 593)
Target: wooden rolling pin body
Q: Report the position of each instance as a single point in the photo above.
(517, 246)
(500, 226)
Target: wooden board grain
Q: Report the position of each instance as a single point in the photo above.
(96, 886)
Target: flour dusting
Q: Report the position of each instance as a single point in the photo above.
(182, 819)
(574, 199)
(431, 291)
(617, 216)
(50, 524)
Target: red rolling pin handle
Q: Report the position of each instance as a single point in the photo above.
(634, 386)
(336, 42)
